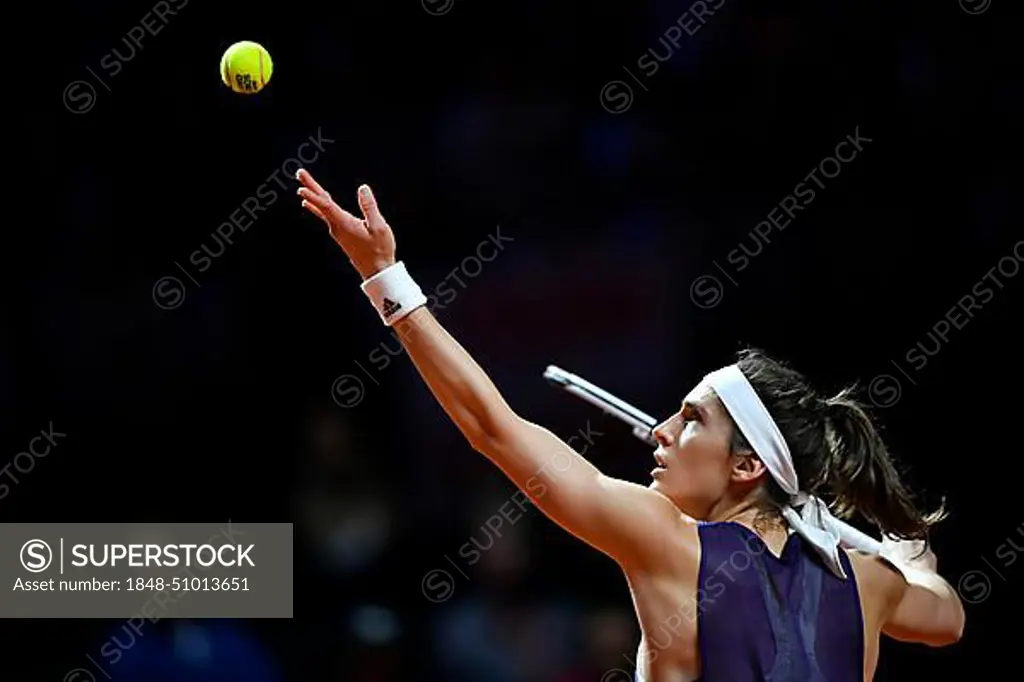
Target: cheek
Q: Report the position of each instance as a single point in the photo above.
(700, 461)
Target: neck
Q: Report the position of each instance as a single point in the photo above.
(732, 510)
(745, 511)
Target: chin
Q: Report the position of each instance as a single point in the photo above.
(657, 483)
(686, 507)
(661, 487)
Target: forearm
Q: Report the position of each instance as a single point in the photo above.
(536, 460)
(461, 386)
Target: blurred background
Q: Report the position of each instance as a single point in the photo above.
(622, 156)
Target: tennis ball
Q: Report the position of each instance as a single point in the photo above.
(246, 67)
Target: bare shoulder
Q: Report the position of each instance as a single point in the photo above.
(874, 572)
(880, 585)
(667, 534)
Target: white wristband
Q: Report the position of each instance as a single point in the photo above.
(393, 293)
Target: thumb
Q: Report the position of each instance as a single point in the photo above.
(368, 204)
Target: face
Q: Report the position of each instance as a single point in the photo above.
(695, 464)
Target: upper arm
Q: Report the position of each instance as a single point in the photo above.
(628, 522)
(924, 609)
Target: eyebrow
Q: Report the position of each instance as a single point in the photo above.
(694, 406)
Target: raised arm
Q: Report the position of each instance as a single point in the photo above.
(626, 521)
(622, 519)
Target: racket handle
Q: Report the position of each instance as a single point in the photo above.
(645, 434)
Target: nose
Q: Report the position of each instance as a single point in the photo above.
(662, 435)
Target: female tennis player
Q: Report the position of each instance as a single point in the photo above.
(731, 557)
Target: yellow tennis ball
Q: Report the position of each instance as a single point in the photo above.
(246, 67)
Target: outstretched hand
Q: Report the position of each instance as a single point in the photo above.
(368, 242)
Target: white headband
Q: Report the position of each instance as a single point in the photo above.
(756, 424)
(814, 523)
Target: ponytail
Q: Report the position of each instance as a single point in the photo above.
(861, 475)
(838, 454)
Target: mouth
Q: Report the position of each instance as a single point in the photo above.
(662, 463)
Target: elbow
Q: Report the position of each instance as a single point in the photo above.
(958, 620)
(482, 439)
(957, 631)
(953, 631)
(946, 638)
(480, 442)
(486, 435)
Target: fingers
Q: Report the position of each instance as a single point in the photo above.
(368, 204)
(318, 200)
(303, 176)
(315, 211)
(327, 210)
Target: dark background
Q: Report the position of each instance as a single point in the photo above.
(466, 117)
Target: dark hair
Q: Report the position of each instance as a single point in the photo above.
(837, 451)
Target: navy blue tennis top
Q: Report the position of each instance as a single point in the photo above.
(777, 619)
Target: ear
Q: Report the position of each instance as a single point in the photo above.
(747, 467)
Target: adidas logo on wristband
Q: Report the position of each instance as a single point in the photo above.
(393, 293)
(390, 307)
